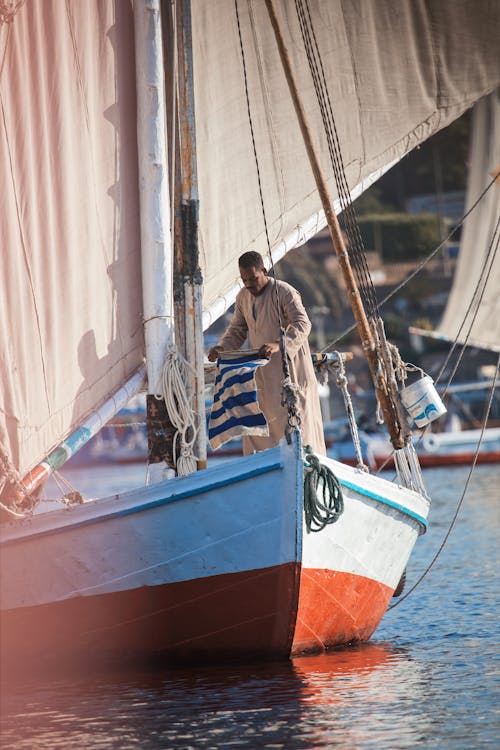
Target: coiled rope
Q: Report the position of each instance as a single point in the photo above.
(178, 401)
(9, 476)
(323, 499)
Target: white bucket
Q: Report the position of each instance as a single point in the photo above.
(422, 401)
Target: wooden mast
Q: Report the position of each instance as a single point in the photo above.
(188, 286)
(362, 323)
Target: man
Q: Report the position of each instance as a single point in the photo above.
(256, 318)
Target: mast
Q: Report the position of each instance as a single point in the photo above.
(362, 323)
(156, 245)
(188, 289)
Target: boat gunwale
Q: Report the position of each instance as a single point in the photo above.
(25, 529)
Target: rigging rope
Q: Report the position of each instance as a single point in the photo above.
(288, 388)
(9, 475)
(475, 300)
(419, 267)
(342, 383)
(69, 493)
(384, 373)
(460, 502)
(355, 246)
(323, 499)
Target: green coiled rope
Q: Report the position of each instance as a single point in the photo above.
(323, 499)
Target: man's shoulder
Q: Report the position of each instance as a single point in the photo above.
(287, 288)
(283, 284)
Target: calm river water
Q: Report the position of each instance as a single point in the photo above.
(428, 679)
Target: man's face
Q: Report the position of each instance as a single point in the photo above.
(254, 279)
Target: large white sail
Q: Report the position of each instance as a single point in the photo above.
(473, 311)
(397, 71)
(70, 305)
(71, 332)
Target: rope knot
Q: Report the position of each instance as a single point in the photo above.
(289, 392)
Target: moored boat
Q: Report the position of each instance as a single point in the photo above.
(216, 562)
(228, 570)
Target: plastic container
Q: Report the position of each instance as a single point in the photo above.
(422, 401)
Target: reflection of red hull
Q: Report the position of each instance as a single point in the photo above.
(362, 658)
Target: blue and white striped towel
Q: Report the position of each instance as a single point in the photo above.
(235, 409)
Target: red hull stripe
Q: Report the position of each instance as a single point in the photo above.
(337, 608)
(240, 615)
(428, 460)
(232, 615)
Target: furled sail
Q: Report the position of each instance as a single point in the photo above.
(70, 305)
(472, 313)
(397, 70)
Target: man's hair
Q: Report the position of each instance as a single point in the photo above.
(252, 259)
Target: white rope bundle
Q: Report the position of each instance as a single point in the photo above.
(179, 399)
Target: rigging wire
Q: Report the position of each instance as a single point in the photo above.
(250, 122)
(460, 502)
(478, 295)
(418, 269)
(387, 373)
(289, 389)
(476, 300)
(355, 247)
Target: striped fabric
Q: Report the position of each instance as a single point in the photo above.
(235, 409)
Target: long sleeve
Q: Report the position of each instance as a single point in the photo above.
(298, 324)
(236, 332)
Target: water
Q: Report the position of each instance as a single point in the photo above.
(428, 679)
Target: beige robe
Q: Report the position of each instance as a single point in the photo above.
(263, 329)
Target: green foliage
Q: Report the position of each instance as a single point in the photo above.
(372, 202)
(400, 237)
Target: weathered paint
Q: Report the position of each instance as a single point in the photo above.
(235, 615)
(337, 608)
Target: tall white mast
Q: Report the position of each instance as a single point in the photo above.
(156, 241)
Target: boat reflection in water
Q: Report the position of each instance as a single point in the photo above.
(352, 697)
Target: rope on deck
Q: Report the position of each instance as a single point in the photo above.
(323, 499)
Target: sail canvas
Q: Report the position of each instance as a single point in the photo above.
(473, 310)
(445, 62)
(71, 309)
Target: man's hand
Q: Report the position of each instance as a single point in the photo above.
(267, 350)
(214, 353)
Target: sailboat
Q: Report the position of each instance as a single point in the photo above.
(125, 125)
